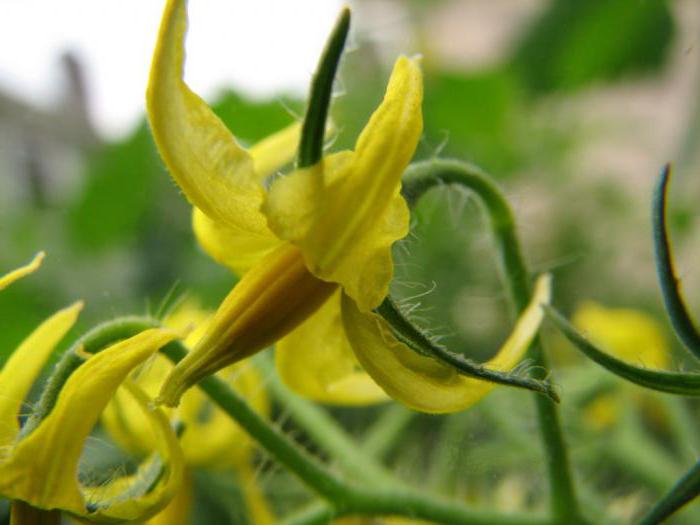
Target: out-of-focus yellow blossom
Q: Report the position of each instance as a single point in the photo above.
(627, 334)
(41, 468)
(211, 439)
(316, 246)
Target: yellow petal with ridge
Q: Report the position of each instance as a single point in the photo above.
(423, 383)
(237, 249)
(346, 211)
(216, 174)
(42, 468)
(25, 364)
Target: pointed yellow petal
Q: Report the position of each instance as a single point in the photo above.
(216, 174)
(25, 364)
(423, 383)
(238, 249)
(139, 497)
(317, 362)
(345, 212)
(9, 278)
(276, 151)
(628, 334)
(42, 468)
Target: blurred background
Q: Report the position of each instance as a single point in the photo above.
(572, 106)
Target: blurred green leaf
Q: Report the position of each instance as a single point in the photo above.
(473, 117)
(576, 42)
(118, 191)
(252, 120)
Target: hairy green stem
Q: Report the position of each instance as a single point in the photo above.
(325, 431)
(419, 178)
(385, 430)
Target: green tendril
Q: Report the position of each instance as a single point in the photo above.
(685, 384)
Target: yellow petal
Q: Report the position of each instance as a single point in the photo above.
(240, 249)
(9, 278)
(423, 383)
(216, 174)
(276, 151)
(628, 334)
(141, 496)
(317, 362)
(25, 364)
(259, 511)
(42, 468)
(178, 510)
(345, 212)
(232, 247)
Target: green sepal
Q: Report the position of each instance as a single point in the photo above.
(413, 337)
(668, 281)
(685, 384)
(314, 128)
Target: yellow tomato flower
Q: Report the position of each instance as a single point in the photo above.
(316, 245)
(41, 468)
(628, 334)
(210, 438)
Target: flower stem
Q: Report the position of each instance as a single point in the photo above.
(685, 490)
(325, 431)
(419, 178)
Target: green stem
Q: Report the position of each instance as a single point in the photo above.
(325, 431)
(385, 430)
(315, 514)
(685, 490)
(419, 178)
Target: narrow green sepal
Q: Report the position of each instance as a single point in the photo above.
(413, 337)
(685, 384)
(313, 130)
(668, 281)
(683, 492)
